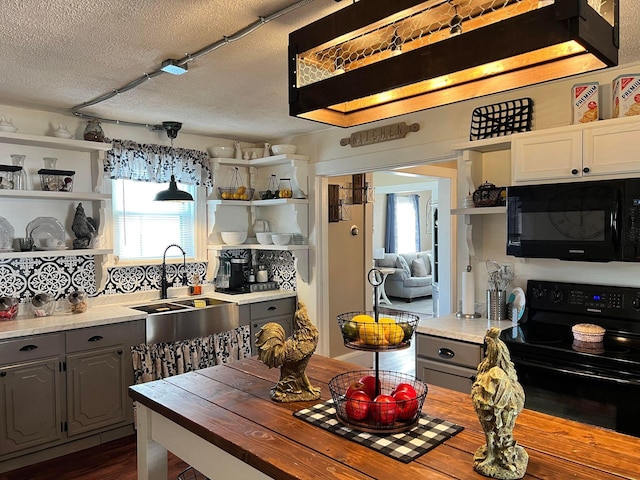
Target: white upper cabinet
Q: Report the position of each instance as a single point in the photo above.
(603, 149)
(538, 157)
(613, 148)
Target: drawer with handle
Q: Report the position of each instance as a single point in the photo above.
(449, 351)
(98, 337)
(31, 348)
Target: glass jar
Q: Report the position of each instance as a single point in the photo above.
(50, 163)
(20, 178)
(93, 131)
(285, 190)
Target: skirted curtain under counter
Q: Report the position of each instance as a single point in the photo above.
(162, 360)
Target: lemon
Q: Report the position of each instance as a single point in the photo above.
(373, 334)
(394, 334)
(363, 318)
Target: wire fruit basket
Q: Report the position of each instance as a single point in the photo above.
(392, 414)
(237, 189)
(240, 193)
(391, 331)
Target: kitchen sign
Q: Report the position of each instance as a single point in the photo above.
(372, 136)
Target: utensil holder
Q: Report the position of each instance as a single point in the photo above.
(496, 305)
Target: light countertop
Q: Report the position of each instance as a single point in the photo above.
(110, 309)
(472, 330)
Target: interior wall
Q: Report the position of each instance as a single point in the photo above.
(347, 273)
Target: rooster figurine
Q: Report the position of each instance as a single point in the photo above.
(292, 356)
(498, 398)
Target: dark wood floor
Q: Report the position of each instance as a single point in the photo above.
(112, 461)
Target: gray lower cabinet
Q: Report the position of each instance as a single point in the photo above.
(99, 370)
(260, 313)
(66, 386)
(31, 383)
(447, 363)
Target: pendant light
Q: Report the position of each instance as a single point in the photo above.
(173, 194)
(452, 50)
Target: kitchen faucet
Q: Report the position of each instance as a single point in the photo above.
(163, 273)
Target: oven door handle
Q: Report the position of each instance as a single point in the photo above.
(581, 373)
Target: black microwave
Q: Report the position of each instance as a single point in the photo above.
(597, 221)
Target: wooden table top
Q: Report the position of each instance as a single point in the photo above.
(229, 406)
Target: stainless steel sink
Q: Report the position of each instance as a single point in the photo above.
(181, 320)
(160, 307)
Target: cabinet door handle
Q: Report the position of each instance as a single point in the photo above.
(574, 171)
(120, 352)
(586, 170)
(446, 353)
(271, 309)
(95, 338)
(3, 374)
(28, 348)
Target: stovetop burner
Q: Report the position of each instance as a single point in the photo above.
(553, 308)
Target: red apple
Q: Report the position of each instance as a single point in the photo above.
(405, 387)
(407, 405)
(371, 386)
(355, 387)
(358, 405)
(384, 409)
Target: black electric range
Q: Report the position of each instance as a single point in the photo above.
(590, 382)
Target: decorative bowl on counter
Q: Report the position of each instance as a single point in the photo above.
(281, 238)
(398, 412)
(285, 149)
(393, 331)
(264, 238)
(222, 152)
(233, 238)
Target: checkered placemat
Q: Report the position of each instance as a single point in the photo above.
(406, 446)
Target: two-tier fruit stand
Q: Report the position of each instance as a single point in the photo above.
(369, 331)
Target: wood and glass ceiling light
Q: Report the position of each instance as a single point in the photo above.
(378, 59)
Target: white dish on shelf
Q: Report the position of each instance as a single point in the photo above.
(7, 127)
(43, 228)
(7, 234)
(54, 248)
(62, 134)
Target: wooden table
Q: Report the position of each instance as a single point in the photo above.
(222, 421)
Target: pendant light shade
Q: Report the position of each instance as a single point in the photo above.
(172, 194)
(409, 55)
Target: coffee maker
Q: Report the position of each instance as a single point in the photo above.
(238, 277)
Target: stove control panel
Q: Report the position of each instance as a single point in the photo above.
(622, 302)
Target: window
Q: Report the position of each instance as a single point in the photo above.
(407, 223)
(144, 228)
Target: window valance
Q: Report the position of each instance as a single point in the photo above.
(156, 163)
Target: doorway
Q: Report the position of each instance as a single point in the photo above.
(333, 289)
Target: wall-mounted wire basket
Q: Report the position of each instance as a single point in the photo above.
(501, 119)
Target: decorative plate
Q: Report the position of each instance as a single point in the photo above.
(6, 235)
(43, 228)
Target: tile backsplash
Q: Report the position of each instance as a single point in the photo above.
(58, 276)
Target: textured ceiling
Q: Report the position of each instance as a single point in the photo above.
(57, 54)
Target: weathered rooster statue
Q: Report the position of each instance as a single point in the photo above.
(498, 398)
(292, 356)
